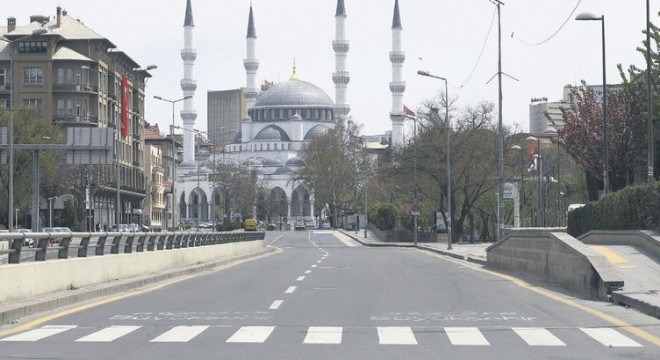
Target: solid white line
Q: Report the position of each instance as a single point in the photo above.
(466, 336)
(538, 337)
(251, 334)
(41, 333)
(323, 335)
(290, 289)
(308, 271)
(300, 278)
(610, 337)
(276, 304)
(109, 334)
(396, 335)
(180, 334)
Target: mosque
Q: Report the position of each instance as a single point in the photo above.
(280, 120)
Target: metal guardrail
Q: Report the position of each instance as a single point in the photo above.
(118, 242)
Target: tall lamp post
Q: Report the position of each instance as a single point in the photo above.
(590, 17)
(448, 157)
(522, 183)
(650, 129)
(539, 169)
(174, 154)
(552, 131)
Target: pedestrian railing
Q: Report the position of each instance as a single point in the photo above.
(45, 245)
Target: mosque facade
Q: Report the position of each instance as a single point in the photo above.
(280, 121)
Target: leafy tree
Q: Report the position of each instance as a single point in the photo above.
(70, 215)
(241, 188)
(332, 166)
(583, 137)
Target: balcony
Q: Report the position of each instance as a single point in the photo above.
(76, 88)
(78, 120)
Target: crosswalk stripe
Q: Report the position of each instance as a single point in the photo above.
(396, 335)
(276, 304)
(323, 335)
(251, 334)
(180, 334)
(466, 336)
(109, 334)
(610, 337)
(41, 333)
(538, 337)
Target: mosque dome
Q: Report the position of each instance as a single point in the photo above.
(294, 93)
(316, 131)
(272, 133)
(295, 161)
(283, 170)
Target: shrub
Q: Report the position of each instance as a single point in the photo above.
(384, 216)
(632, 208)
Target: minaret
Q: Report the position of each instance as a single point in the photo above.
(251, 63)
(341, 77)
(188, 85)
(397, 85)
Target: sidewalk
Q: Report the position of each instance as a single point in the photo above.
(471, 252)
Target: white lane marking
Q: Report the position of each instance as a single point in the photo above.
(538, 337)
(109, 334)
(251, 334)
(314, 265)
(466, 336)
(277, 238)
(396, 335)
(308, 271)
(323, 335)
(610, 337)
(180, 334)
(345, 239)
(300, 278)
(41, 333)
(276, 304)
(291, 289)
(318, 261)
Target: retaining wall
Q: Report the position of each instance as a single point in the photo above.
(644, 240)
(556, 257)
(24, 280)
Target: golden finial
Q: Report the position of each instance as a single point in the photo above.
(294, 76)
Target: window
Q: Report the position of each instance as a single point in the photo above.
(60, 107)
(32, 47)
(36, 104)
(60, 76)
(69, 76)
(33, 76)
(4, 103)
(69, 107)
(3, 77)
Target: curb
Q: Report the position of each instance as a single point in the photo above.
(58, 300)
(623, 298)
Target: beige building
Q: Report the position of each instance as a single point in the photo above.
(78, 78)
(154, 204)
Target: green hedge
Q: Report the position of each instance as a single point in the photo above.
(633, 208)
(384, 216)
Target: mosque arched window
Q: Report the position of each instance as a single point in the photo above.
(281, 114)
(316, 114)
(275, 146)
(308, 114)
(268, 147)
(289, 146)
(290, 113)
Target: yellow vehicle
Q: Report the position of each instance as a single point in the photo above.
(250, 225)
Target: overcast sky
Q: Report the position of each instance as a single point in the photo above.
(445, 37)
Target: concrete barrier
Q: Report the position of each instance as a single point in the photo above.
(556, 257)
(24, 280)
(646, 241)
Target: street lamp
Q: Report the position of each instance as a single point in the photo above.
(50, 210)
(448, 160)
(552, 131)
(10, 130)
(522, 183)
(650, 129)
(539, 169)
(590, 17)
(174, 155)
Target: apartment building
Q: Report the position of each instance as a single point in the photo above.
(78, 78)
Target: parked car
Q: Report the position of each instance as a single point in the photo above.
(325, 225)
(271, 226)
(300, 225)
(55, 230)
(250, 225)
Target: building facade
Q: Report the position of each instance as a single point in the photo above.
(76, 77)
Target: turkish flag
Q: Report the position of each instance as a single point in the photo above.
(124, 106)
(531, 151)
(407, 111)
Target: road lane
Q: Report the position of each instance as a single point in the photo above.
(353, 302)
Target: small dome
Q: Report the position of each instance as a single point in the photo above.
(316, 131)
(272, 133)
(294, 93)
(294, 161)
(252, 162)
(272, 162)
(283, 170)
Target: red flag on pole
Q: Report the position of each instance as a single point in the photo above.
(407, 111)
(124, 106)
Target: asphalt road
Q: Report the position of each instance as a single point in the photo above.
(324, 297)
